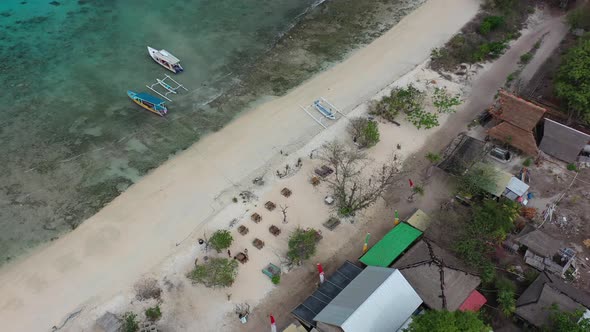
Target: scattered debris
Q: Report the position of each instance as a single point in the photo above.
(315, 181)
(242, 310)
(146, 289)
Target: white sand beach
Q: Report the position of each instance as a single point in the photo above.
(152, 228)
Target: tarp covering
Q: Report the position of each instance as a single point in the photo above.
(391, 246)
(420, 220)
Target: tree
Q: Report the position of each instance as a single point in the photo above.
(444, 102)
(478, 180)
(506, 296)
(567, 321)
(491, 223)
(445, 321)
(302, 245)
(365, 131)
(573, 80)
(217, 272)
(352, 190)
(130, 323)
(220, 240)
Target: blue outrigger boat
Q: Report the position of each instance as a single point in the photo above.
(324, 110)
(149, 102)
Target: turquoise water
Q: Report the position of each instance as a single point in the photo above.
(71, 137)
(72, 140)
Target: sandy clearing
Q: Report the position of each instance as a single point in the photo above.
(142, 227)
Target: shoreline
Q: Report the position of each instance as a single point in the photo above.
(144, 225)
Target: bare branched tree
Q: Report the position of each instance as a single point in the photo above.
(352, 190)
(284, 211)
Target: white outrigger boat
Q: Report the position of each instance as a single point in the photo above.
(166, 60)
(326, 111)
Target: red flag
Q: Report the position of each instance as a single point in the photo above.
(321, 272)
(411, 183)
(273, 325)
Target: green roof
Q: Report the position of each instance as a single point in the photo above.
(384, 252)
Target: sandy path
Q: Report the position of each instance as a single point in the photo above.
(142, 227)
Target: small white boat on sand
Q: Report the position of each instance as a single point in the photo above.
(166, 60)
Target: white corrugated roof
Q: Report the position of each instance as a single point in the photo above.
(378, 299)
(518, 187)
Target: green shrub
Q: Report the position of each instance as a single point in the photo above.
(433, 157)
(444, 102)
(371, 134)
(153, 313)
(130, 323)
(220, 240)
(506, 296)
(276, 279)
(527, 162)
(302, 245)
(572, 167)
(490, 23)
(526, 58)
(217, 272)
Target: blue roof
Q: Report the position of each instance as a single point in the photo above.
(149, 98)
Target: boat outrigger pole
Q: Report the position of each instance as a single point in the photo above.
(169, 88)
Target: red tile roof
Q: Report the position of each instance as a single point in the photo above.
(473, 302)
(516, 137)
(518, 111)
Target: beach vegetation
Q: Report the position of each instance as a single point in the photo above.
(130, 323)
(564, 321)
(485, 38)
(352, 190)
(526, 58)
(444, 102)
(302, 245)
(407, 99)
(216, 272)
(490, 23)
(573, 80)
(365, 132)
(221, 240)
(153, 313)
(572, 167)
(442, 320)
(423, 119)
(478, 180)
